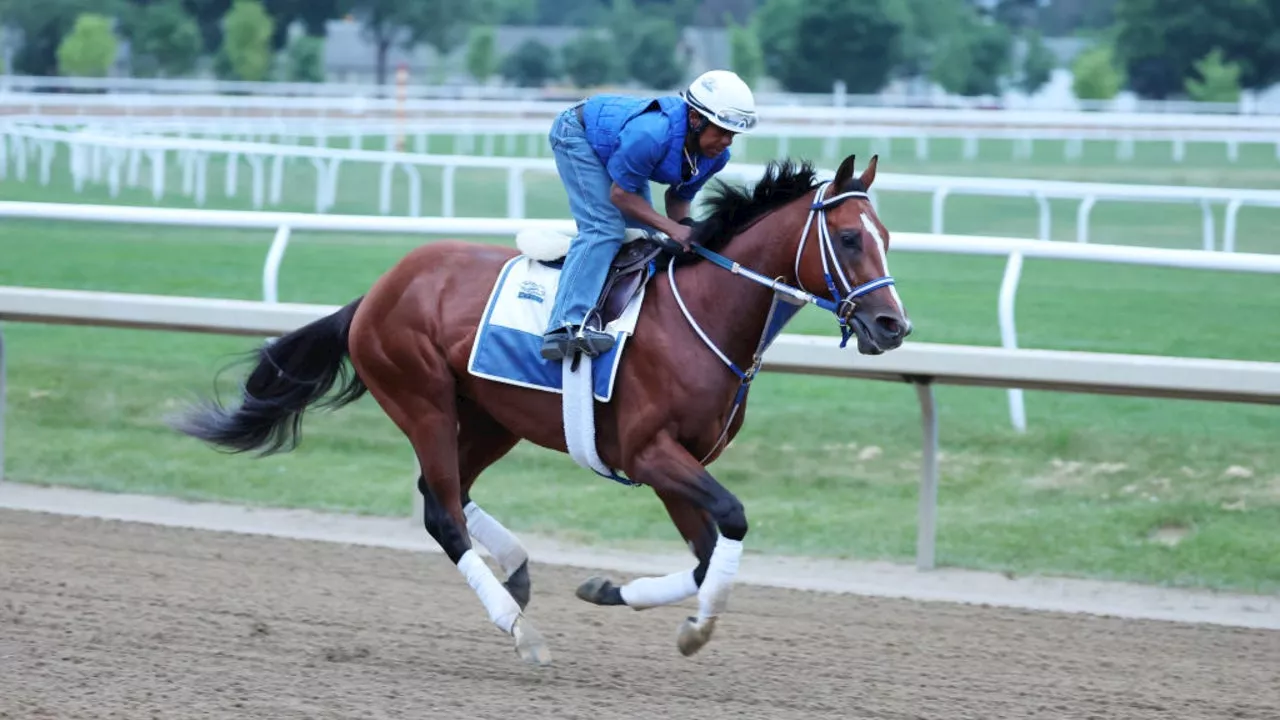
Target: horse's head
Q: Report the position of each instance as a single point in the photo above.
(849, 259)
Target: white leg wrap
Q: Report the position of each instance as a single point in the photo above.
(503, 610)
(713, 596)
(650, 592)
(495, 538)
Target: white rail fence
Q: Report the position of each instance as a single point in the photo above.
(1248, 103)
(283, 224)
(466, 121)
(118, 159)
(921, 364)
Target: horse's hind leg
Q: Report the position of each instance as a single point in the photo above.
(426, 411)
(698, 529)
(482, 442)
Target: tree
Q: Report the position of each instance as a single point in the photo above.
(246, 40)
(44, 23)
(857, 42)
(1219, 81)
(482, 61)
(774, 25)
(1159, 41)
(974, 58)
(89, 49)
(1096, 76)
(385, 23)
(590, 60)
(164, 39)
(745, 56)
(1037, 66)
(208, 15)
(306, 59)
(529, 65)
(652, 58)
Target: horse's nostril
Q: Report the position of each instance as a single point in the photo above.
(891, 326)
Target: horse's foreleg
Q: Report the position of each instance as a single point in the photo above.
(669, 469)
(698, 529)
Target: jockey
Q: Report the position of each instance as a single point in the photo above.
(608, 148)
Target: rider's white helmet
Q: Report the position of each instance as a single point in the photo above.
(724, 99)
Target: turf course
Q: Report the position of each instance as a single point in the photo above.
(1162, 491)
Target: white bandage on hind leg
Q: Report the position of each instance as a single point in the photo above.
(713, 596)
(501, 544)
(648, 592)
(502, 608)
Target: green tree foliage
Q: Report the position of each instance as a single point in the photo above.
(530, 65)
(774, 25)
(857, 42)
(89, 49)
(745, 56)
(652, 58)
(1159, 41)
(1096, 74)
(306, 59)
(973, 58)
(313, 14)
(208, 15)
(1218, 81)
(386, 23)
(164, 39)
(246, 40)
(590, 59)
(482, 58)
(1037, 65)
(44, 23)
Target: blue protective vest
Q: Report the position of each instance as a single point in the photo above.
(605, 115)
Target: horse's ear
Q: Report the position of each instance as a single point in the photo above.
(869, 175)
(844, 174)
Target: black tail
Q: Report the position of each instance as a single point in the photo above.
(292, 373)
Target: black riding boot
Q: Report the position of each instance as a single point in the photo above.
(561, 342)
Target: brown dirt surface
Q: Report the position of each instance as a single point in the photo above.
(104, 619)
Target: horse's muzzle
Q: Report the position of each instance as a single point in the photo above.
(879, 332)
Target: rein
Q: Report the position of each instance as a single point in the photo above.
(791, 296)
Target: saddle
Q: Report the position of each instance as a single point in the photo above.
(630, 270)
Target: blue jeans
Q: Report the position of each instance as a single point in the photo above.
(600, 223)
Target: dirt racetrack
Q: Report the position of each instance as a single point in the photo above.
(105, 619)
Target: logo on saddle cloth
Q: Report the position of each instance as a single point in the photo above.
(508, 342)
(531, 291)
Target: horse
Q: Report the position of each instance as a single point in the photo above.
(758, 254)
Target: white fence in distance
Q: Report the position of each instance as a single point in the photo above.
(283, 224)
(118, 159)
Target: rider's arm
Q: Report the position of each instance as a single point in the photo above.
(636, 206)
(677, 207)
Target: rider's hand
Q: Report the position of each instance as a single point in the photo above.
(680, 233)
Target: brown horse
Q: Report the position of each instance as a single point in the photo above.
(680, 388)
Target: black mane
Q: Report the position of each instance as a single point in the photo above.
(732, 208)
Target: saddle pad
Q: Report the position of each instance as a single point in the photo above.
(509, 339)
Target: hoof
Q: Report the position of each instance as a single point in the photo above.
(600, 591)
(693, 636)
(529, 643)
(519, 586)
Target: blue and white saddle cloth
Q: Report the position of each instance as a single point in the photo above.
(508, 343)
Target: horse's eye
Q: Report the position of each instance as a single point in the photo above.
(851, 239)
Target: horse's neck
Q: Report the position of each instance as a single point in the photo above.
(732, 310)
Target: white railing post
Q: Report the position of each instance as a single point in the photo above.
(1229, 225)
(271, 268)
(515, 193)
(448, 174)
(1082, 219)
(939, 207)
(927, 511)
(1009, 332)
